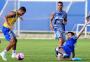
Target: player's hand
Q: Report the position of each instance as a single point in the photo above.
(21, 18)
(88, 19)
(64, 22)
(51, 27)
(88, 22)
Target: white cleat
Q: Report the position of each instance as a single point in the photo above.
(58, 56)
(13, 55)
(3, 55)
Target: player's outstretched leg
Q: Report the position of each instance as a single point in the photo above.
(10, 45)
(3, 55)
(60, 41)
(14, 49)
(59, 54)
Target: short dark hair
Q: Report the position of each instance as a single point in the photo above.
(72, 33)
(23, 8)
(60, 3)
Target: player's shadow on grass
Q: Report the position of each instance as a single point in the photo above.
(86, 60)
(71, 60)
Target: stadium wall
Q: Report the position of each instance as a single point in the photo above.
(37, 15)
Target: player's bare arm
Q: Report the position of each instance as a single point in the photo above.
(8, 16)
(65, 19)
(51, 19)
(81, 31)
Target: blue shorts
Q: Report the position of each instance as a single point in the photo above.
(58, 34)
(68, 50)
(8, 33)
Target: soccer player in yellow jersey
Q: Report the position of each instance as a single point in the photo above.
(7, 28)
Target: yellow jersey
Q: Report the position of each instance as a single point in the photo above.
(11, 21)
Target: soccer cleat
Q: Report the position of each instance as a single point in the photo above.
(59, 56)
(3, 55)
(56, 51)
(76, 59)
(13, 55)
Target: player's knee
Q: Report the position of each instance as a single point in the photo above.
(12, 42)
(15, 40)
(60, 38)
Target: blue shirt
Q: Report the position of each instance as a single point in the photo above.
(70, 43)
(59, 17)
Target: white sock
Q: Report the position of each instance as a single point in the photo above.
(13, 51)
(57, 49)
(4, 51)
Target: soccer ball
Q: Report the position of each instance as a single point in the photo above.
(19, 56)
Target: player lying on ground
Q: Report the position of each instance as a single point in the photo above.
(7, 28)
(68, 47)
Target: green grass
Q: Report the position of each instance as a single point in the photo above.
(43, 50)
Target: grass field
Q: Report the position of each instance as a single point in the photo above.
(43, 50)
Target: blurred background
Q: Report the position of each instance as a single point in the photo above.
(36, 21)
